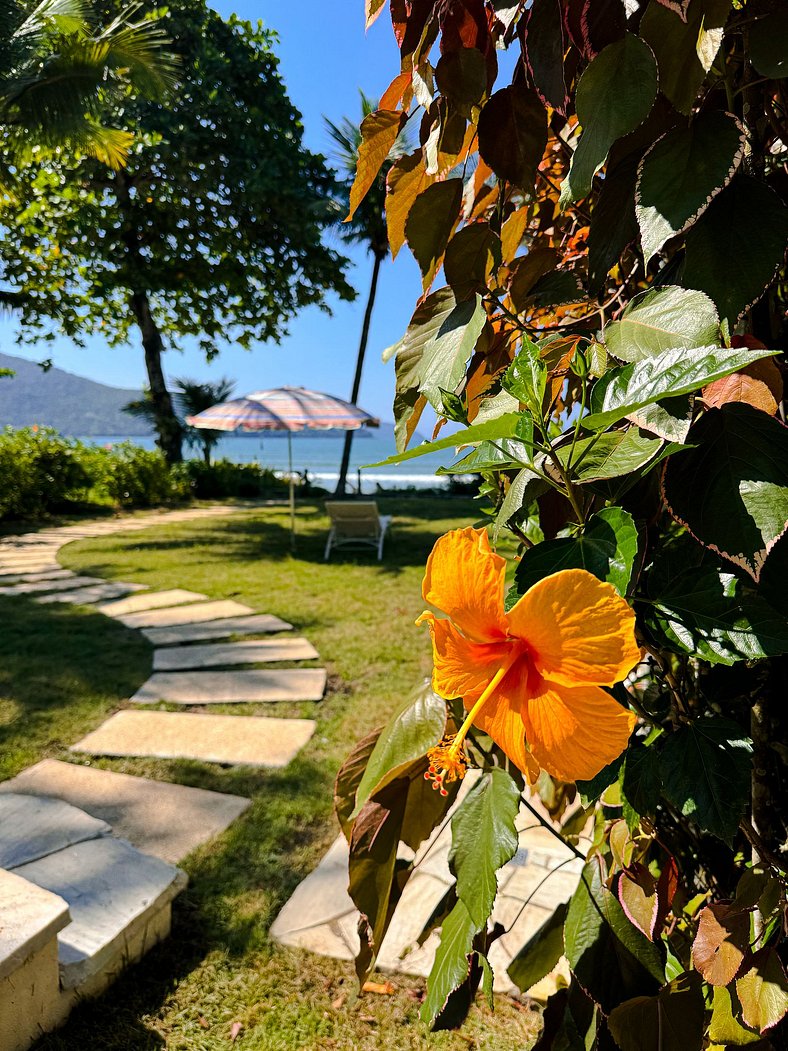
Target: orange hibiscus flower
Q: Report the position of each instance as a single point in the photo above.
(530, 678)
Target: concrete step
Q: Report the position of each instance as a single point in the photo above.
(257, 624)
(119, 900)
(32, 827)
(88, 595)
(229, 687)
(32, 578)
(62, 584)
(150, 600)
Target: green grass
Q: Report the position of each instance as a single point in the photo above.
(62, 670)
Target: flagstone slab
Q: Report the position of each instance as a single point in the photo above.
(59, 584)
(95, 593)
(110, 889)
(31, 827)
(257, 651)
(231, 739)
(166, 820)
(31, 918)
(257, 624)
(321, 917)
(150, 600)
(231, 687)
(193, 614)
(55, 573)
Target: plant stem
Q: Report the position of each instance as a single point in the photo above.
(552, 831)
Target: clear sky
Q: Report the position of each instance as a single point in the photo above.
(325, 58)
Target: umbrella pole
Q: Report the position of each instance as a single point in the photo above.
(292, 489)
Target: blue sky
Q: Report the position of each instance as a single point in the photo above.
(325, 58)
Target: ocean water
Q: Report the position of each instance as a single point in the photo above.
(320, 454)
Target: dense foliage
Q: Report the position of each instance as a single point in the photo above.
(611, 230)
(211, 232)
(43, 473)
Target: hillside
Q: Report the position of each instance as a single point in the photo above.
(72, 404)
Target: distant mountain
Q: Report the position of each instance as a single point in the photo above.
(71, 404)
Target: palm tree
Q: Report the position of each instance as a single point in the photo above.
(190, 398)
(367, 227)
(59, 73)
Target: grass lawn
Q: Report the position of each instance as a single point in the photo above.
(63, 669)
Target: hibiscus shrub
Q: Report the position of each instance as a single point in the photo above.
(611, 229)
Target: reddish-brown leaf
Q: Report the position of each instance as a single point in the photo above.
(429, 225)
(512, 233)
(759, 385)
(406, 180)
(463, 23)
(410, 19)
(379, 131)
(637, 893)
(513, 134)
(679, 6)
(667, 885)
(473, 255)
(494, 353)
(392, 96)
(721, 944)
(544, 48)
(526, 271)
(602, 23)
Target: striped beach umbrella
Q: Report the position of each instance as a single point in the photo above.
(284, 409)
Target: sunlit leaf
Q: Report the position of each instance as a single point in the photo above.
(660, 319)
(432, 217)
(379, 131)
(721, 943)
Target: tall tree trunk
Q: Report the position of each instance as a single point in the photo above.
(169, 430)
(362, 349)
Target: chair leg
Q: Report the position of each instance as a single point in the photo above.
(328, 545)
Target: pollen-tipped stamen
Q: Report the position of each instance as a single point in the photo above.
(448, 761)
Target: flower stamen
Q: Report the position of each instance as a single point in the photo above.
(448, 760)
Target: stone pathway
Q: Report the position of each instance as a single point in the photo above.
(91, 853)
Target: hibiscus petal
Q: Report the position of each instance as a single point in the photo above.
(465, 580)
(578, 628)
(502, 717)
(575, 731)
(462, 668)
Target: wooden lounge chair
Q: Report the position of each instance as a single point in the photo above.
(356, 522)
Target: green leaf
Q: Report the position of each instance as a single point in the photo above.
(670, 418)
(763, 991)
(614, 95)
(607, 547)
(483, 839)
(556, 288)
(608, 955)
(451, 965)
(610, 455)
(724, 1028)
(769, 44)
(682, 173)
(498, 456)
(414, 728)
(488, 979)
(432, 217)
(661, 319)
(524, 488)
(461, 76)
(641, 781)
(624, 390)
(731, 489)
(671, 1021)
(706, 770)
(545, 47)
(505, 426)
(591, 790)
(432, 354)
(613, 222)
(541, 952)
(685, 50)
(349, 778)
(746, 223)
(526, 378)
(513, 134)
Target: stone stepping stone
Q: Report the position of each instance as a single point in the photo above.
(88, 595)
(31, 918)
(151, 600)
(257, 651)
(59, 584)
(166, 820)
(320, 915)
(257, 624)
(32, 827)
(194, 614)
(30, 578)
(114, 893)
(229, 687)
(233, 739)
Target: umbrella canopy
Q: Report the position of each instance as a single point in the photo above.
(284, 409)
